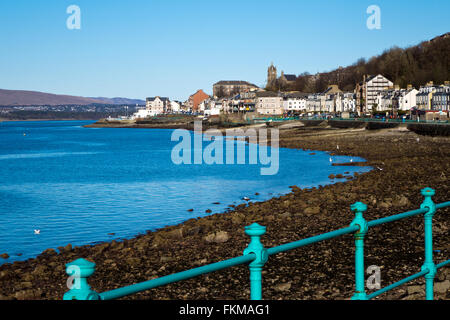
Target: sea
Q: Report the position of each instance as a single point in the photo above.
(62, 183)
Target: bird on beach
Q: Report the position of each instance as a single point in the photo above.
(37, 231)
(337, 147)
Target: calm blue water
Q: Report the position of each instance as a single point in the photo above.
(77, 185)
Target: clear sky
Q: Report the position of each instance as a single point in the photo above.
(141, 48)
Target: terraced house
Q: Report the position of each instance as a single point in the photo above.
(269, 102)
(441, 99)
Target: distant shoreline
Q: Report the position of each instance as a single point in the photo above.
(31, 120)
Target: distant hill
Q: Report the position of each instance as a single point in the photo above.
(24, 98)
(416, 65)
(120, 101)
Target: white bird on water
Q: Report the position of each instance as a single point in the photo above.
(37, 231)
(246, 198)
(351, 160)
(331, 160)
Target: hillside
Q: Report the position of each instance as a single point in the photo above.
(416, 65)
(22, 98)
(35, 98)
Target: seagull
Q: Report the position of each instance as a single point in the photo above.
(37, 231)
(331, 160)
(381, 169)
(418, 139)
(246, 198)
(351, 160)
(337, 147)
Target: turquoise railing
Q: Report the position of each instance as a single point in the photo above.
(256, 256)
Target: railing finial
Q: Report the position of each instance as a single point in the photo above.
(79, 270)
(255, 231)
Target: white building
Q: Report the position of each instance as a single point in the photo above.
(175, 106)
(213, 108)
(407, 99)
(142, 114)
(294, 102)
(157, 105)
(346, 103)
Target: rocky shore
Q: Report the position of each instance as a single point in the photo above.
(403, 162)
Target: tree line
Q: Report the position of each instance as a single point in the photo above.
(416, 65)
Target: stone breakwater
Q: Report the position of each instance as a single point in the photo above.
(404, 165)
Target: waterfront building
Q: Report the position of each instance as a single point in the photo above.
(330, 99)
(408, 98)
(194, 100)
(441, 98)
(347, 103)
(367, 92)
(175, 106)
(269, 103)
(142, 113)
(157, 105)
(425, 96)
(397, 99)
(213, 108)
(295, 102)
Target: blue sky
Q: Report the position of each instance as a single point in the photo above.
(141, 48)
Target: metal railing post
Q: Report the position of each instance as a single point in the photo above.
(79, 270)
(359, 208)
(429, 264)
(255, 231)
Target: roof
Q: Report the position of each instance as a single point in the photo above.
(235, 83)
(297, 95)
(161, 98)
(290, 77)
(264, 94)
(332, 89)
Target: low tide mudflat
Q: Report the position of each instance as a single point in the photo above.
(405, 164)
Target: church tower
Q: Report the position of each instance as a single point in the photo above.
(271, 76)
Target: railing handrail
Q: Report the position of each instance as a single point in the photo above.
(256, 255)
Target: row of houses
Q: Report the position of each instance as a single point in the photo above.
(333, 100)
(377, 93)
(374, 93)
